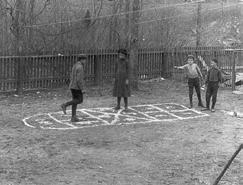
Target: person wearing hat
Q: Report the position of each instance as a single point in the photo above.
(121, 85)
(214, 77)
(193, 74)
(76, 86)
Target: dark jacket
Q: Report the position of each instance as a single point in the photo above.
(121, 89)
(214, 75)
(77, 77)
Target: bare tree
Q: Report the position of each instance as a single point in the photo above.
(134, 43)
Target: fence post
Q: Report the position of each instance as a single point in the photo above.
(98, 70)
(233, 72)
(19, 61)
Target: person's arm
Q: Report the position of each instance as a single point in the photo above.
(181, 67)
(199, 71)
(128, 73)
(116, 70)
(80, 78)
(220, 76)
(207, 77)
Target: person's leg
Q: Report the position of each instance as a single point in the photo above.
(74, 110)
(78, 98)
(198, 91)
(73, 101)
(118, 106)
(214, 96)
(208, 96)
(190, 85)
(126, 103)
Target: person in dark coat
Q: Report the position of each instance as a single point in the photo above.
(76, 86)
(121, 85)
(214, 77)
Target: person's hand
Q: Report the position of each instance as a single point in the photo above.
(127, 82)
(176, 67)
(200, 57)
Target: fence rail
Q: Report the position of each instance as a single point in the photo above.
(52, 71)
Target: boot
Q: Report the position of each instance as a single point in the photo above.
(118, 103)
(205, 109)
(117, 107)
(63, 106)
(191, 105)
(126, 103)
(75, 119)
(200, 104)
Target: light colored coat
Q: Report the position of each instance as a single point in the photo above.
(77, 77)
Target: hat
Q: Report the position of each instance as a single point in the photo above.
(82, 57)
(123, 51)
(190, 56)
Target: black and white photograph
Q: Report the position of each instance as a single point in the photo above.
(121, 92)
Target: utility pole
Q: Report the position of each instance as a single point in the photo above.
(199, 24)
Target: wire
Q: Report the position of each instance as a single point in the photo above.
(154, 20)
(111, 15)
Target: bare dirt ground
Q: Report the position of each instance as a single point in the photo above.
(184, 152)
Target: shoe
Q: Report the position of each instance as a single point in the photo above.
(63, 108)
(212, 110)
(206, 109)
(126, 109)
(117, 108)
(75, 119)
(200, 105)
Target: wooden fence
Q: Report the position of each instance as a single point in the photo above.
(52, 71)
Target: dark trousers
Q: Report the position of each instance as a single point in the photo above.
(194, 83)
(77, 98)
(125, 101)
(212, 90)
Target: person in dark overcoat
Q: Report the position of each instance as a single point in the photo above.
(121, 85)
(214, 77)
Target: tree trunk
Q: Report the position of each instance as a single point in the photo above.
(127, 24)
(134, 44)
(241, 33)
(199, 22)
(17, 31)
(113, 25)
(31, 22)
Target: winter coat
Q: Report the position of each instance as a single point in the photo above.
(121, 89)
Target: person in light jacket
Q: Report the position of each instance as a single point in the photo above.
(193, 74)
(76, 86)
